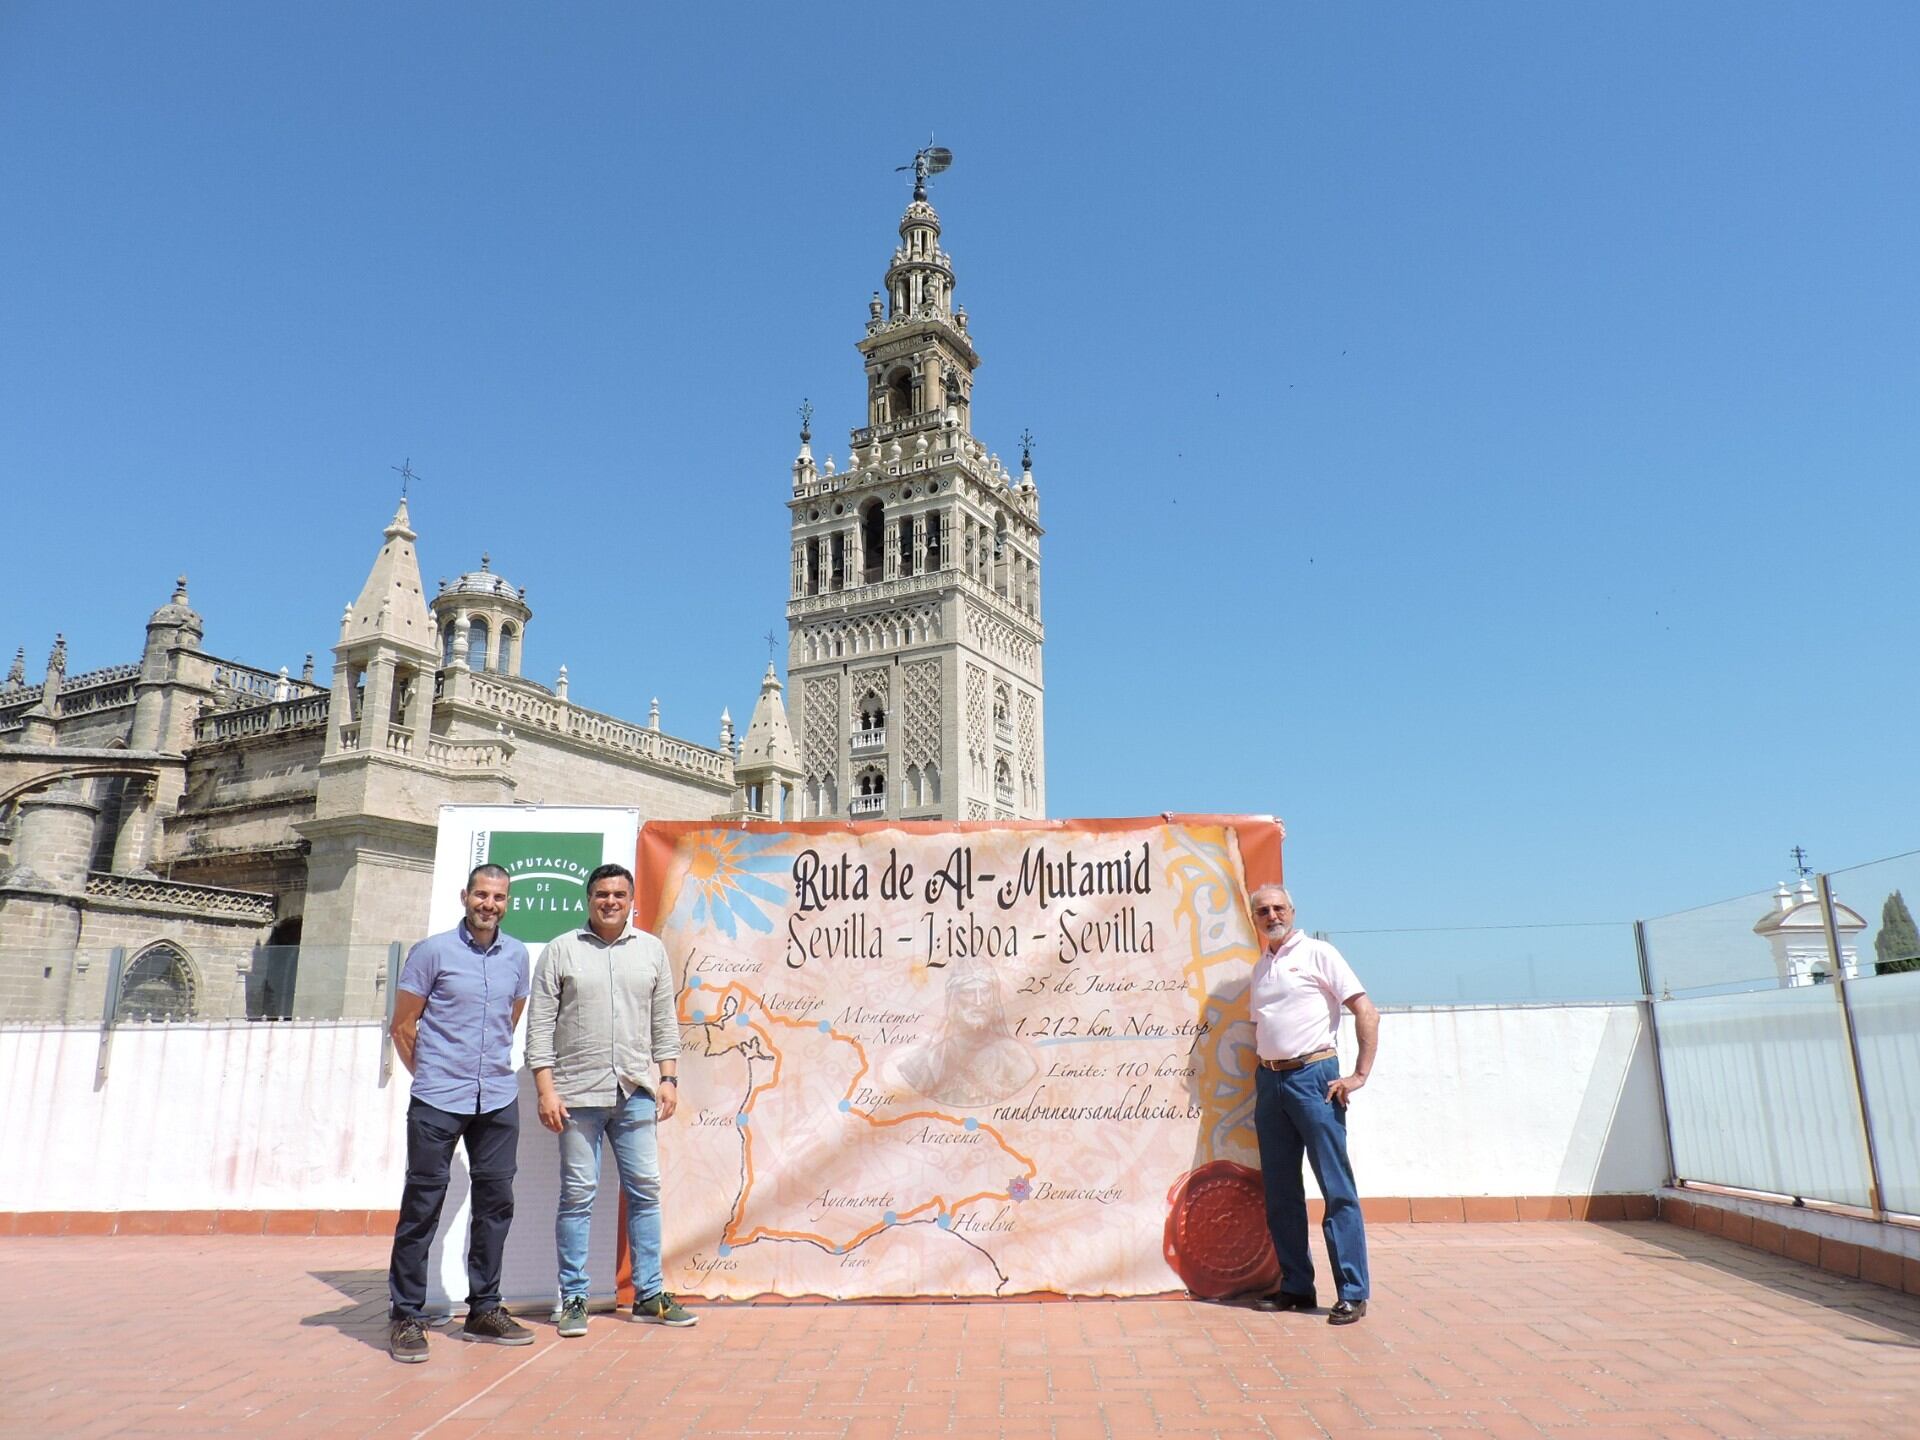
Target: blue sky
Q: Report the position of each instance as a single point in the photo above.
(1484, 435)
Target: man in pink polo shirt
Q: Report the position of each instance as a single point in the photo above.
(1300, 1103)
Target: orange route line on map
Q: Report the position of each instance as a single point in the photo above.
(937, 1204)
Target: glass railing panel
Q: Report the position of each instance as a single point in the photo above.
(1715, 948)
(1493, 965)
(171, 982)
(1886, 1026)
(1760, 1093)
(1874, 916)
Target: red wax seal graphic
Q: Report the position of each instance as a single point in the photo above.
(1216, 1236)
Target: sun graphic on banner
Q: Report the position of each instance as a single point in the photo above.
(723, 885)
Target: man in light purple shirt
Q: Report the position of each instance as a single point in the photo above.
(459, 996)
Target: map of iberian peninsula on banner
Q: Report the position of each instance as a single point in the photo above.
(961, 1060)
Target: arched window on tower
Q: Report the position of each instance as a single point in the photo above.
(935, 531)
(900, 394)
(446, 643)
(158, 985)
(906, 545)
(1003, 782)
(873, 540)
(508, 637)
(477, 644)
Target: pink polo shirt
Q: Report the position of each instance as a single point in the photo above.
(1296, 996)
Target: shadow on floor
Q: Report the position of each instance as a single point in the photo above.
(1856, 1299)
(365, 1318)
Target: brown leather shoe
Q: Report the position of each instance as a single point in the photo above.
(1281, 1300)
(1346, 1312)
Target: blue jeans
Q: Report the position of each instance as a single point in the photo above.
(636, 1154)
(1293, 1118)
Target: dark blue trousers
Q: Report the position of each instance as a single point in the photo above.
(493, 1149)
(1293, 1119)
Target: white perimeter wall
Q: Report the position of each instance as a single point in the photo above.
(1536, 1101)
(279, 1116)
(1547, 1100)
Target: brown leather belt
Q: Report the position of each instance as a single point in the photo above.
(1299, 1062)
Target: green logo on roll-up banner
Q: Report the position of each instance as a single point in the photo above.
(549, 872)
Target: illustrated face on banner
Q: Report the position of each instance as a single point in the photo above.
(549, 872)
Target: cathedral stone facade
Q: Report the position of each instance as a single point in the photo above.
(207, 838)
(254, 844)
(914, 632)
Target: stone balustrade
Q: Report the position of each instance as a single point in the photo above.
(106, 675)
(867, 742)
(308, 712)
(232, 678)
(540, 711)
(151, 892)
(468, 754)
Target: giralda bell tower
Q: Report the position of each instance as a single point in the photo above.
(913, 631)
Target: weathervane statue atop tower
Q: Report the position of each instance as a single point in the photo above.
(930, 161)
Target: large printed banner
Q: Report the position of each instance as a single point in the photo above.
(961, 1059)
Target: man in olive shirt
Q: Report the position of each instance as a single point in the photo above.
(601, 1018)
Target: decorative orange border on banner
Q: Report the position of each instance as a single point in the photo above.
(1260, 837)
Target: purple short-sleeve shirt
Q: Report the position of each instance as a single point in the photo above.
(463, 1056)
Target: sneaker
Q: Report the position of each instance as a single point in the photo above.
(573, 1316)
(407, 1340)
(663, 1309)
(494, 1327)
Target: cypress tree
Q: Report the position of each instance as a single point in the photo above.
(1897, 946)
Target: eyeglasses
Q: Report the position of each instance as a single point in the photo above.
(1270, 909)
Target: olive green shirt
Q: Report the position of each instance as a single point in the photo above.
(601, 1015)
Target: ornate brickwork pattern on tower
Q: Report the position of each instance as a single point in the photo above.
(870, 681)
(998, 638)
(920, 711)
(977, 702)
(1028, 730)
(822, 711)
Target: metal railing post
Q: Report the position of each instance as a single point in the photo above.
(394, 959)
(1853, 1048)
(109, 1013)
(1653, 1039)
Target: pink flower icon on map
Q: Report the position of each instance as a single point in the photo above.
(1019, 1188)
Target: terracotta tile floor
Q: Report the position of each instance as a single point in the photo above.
(1501, 1330)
